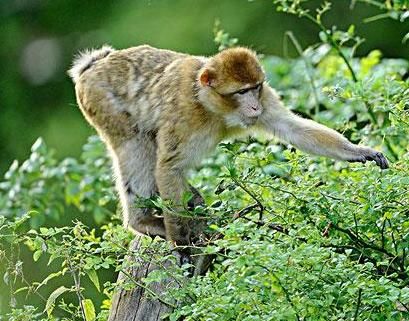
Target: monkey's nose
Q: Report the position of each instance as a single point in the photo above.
(255, 111)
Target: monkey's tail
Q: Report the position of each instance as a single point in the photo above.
(86, 59)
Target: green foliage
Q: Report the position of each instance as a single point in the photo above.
(222, 38)
(39, 40)
(296, 237)
(46, 187)
(326, 236)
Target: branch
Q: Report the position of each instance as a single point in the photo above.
(252, 195)
(358, 304)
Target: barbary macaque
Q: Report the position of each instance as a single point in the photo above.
(160, 112)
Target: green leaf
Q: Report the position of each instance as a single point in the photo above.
(24, 288)
(213, 227)
(405, 38)
(93, 276)
(37, 255)
(351, 30)
(52, 258)
(6, 278)
(43, 230)
(404, 16)
(89, 310)
(49, 306)
(323, 36)
(51, 276)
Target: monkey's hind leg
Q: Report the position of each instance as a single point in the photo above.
(134, 162)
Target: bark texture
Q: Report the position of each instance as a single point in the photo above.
(133, 305)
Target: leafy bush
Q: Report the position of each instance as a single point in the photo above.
(299, 238)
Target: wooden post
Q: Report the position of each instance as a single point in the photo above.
(135, 304)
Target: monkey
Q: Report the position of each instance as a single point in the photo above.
(160, 112)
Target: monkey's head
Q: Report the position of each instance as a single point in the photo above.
(231, 84)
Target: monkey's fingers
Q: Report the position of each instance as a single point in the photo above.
(358, 159)
(379, 159)
(368, 154)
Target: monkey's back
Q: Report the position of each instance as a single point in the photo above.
(122, 92)
(129, 72)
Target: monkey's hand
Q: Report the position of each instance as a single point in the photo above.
(365, 153)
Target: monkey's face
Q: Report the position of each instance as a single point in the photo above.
(238, 106)
(233, 81)
(245, 106)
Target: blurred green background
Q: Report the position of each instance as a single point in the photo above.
(38, 39)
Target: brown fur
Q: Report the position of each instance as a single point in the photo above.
(160, 112)
(237, 66)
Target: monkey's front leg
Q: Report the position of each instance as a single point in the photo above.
(310, 136)
(172, 185)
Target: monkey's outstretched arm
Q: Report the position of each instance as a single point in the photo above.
(310, 136)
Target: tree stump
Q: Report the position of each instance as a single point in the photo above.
(135, 305)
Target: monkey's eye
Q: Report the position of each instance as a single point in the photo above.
(242, 92)
(257, 89)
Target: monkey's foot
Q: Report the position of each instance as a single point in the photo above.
(184, 259)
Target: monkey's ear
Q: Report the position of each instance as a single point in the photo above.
(207, 77)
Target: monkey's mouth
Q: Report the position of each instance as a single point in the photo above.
(240, 120)
(250, 121)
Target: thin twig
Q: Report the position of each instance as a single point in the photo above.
(359, 241)
(358, 304)
(395, 245)
(245, 211)
(252, 195)
(334, 45)
(286, 293)
(308, 67)
(338, 199)
(77, 288)
(276, 188)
